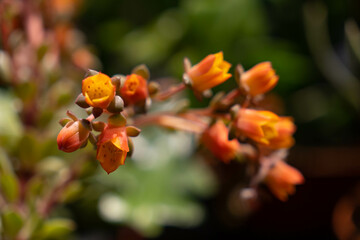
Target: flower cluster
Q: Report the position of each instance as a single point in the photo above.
(99, 95)
(232, 127)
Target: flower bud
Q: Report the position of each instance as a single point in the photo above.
(112, 148)
(116, 105)
(259, 79)
(72, 136)
(134, 90)
(215, 138)
(281, 180)
(98, 90)
(208, 73)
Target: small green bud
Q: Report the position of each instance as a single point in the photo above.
(116, 105)
(117, 120)
(132, 131)
(98, 126)
(64, 121)
(142, 70)
(91, 72)
(80, 101)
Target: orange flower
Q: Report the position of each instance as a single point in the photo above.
(112, 147)
(281, 180)
(215, 138)
(210, 72)
(285, 128)
(134, 90)
(265, 127)
(259, 79)
(98, 90)
(72, 136)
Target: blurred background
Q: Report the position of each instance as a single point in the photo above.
(168, 192)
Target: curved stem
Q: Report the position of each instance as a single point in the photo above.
(168, 120)
(169, 92)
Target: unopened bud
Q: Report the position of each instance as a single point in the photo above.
(81, 102)
(132, 131)
(117, 120)
(91, 72)
(93, 139)
(98, 126)
(239, 70)
(64, 121)
(97, 112)
(118, 80)
(116, 105)
(153, 88)
(72, 136)
(142, 70)
(131, 147)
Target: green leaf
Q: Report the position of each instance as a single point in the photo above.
(5, 164)
(12, 222)
(10, 126)
(57, 228)
(9, 187)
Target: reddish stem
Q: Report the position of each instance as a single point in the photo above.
(169, 92)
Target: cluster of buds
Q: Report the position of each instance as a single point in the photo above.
(232, 127)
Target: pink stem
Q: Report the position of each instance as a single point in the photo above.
(169, 92)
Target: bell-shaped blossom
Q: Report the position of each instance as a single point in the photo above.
(281, 180)
(112, 147)
(265, 127)
(259, 79)
(134, 90)
(98, 90)
(215, 138)
(210, 72)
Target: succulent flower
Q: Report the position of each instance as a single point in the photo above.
(134, 90)
(259, 79)
(112, 147)
(281, 180)
(215, 138)
(98, 90)
(208, 73)
(265, 127)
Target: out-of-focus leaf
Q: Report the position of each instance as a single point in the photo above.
(45, 117)
(153, 190)
(10, 126)
(26, 91)
(57, 228)
(72, 192)
(9, 187)
(51, 166)
(34, 188)
(5, 67)
(29, 150)
(5, 164)
(11, 222)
